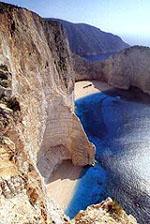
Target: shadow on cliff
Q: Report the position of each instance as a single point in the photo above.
(66, 170)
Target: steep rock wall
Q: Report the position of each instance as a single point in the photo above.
(37, 56)
(37, 122)
(130, 67)
(22, 194)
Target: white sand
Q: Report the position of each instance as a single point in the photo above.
(95, 87)
(63, 181)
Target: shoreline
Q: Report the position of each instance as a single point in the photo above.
(85, 88)
(63, 182)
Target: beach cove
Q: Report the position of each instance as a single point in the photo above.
(117, 122)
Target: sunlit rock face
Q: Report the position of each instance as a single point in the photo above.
(38, 127)
(130, 67)
(106, 212)
(22, 195)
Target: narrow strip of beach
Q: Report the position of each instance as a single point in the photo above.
(84, 88)
(63, 181)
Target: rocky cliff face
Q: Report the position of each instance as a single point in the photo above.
(38, 127)
(106, 212)
(130, 67)
(87, 40)
(86, 70)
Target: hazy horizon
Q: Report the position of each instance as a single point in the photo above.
(126, 18)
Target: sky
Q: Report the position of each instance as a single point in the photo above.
(130, 19)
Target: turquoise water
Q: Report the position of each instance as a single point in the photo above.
(118, 123)
(90, 187)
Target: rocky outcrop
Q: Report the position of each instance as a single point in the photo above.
(106, 212)
(86, 70)
(87, 40)
(22, 195)
(130, 67)
(38, 127)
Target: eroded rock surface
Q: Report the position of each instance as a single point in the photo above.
(130, 67)
(106, 212)
(36, 55)
(22, 195)
(38, 127)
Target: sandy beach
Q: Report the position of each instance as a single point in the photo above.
(63, 181)
(84, 88)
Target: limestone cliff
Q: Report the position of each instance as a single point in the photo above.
(106, 212)
(86, 70)
(38, 127)
(130, 67)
